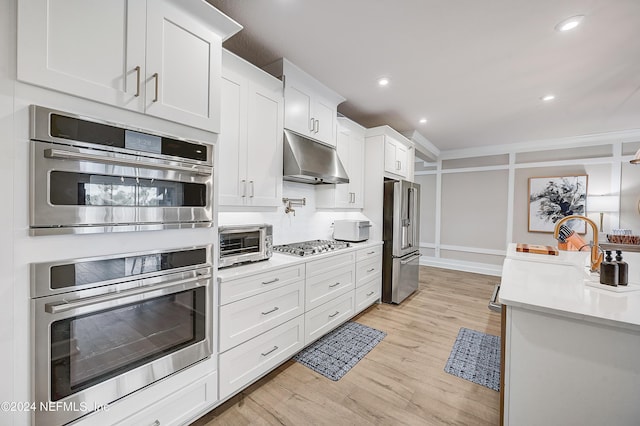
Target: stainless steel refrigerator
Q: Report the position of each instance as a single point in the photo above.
(401, 235)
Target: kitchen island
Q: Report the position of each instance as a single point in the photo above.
(571, 345)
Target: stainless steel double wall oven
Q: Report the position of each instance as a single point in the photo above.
(88, 176)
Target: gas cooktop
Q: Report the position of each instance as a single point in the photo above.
(309, 248)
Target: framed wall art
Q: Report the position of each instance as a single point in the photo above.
(552, 198)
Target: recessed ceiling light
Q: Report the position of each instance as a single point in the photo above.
(548, 98)
(383, 81)
(423, 120)
(569, 23)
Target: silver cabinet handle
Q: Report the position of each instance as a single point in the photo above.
(252, 189)
(275, 280)
(334, 314)
(371, 270)
(268, 352)
(157, 78)
(137, 69)
(271, 311)
(370, 293)
(334, 285)
(371, 252)
(397, 164)
(156, 423)
(316, 127)
(120, 161)
(244, 188)
(312, 125)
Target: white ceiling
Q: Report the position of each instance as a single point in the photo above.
(476, 69)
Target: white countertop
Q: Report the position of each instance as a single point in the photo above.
(559, 285)
(282, 260)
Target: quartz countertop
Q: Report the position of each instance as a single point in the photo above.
(563, 285)
(283, 260)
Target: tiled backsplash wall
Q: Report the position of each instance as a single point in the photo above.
(308, 223)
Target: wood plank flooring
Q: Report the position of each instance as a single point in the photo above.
(400, 382)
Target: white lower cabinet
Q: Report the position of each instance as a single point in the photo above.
(324, 287)
(233, 290)
(368, 293)
(247, 318)
(326, 317)
(179, 408)
(368, 277)
(250, 360)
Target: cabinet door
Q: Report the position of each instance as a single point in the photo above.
(264, 146)
(297, 114)
(183, 67)
(88, 48)
(402, 157)
(231, 142)
(325, 127)
(356, 170)
(343, 196)
(390, 163)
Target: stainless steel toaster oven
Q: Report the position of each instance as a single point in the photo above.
(244, 243)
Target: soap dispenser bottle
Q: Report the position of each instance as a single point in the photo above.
(623, 269)
(609, 271)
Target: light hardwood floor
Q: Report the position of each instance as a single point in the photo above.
(401, 381)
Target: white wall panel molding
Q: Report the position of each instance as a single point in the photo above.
(545, 144)
(477, 250)
(460, 265)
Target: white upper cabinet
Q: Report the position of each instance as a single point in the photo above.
(396, 152)
(310, 107)
(158, 57)
(250, 141)
(396, 157)
(350, 147)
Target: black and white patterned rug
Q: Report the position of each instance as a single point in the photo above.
(334, 354)
(476, 357)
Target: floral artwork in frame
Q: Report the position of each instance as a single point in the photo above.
(552, 198)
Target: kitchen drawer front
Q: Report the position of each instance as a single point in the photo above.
(328, 316)
(249, 361)
(327, 264)
(179, 408)
(332, 283)
(246, 318)
(368, 293)
(367, 269)
(368, 253)
(233, 290)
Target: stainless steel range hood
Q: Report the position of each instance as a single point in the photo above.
(308, 161)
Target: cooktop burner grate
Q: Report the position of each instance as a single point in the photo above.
(308, 248)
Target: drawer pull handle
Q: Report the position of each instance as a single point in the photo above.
(156, 423)
(334, 285)
(268, 312)
(371, 270)
(370, 294)
(371, 252)
(334, 314)
(275, 348)
(275, 280)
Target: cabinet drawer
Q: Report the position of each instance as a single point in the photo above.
(180, 407)
(332, 283)
(368, 253)
(249, 361)
(233, 290)
(367, 269)
(368, 293)
(330, 263)
(328, 316)
(246, 318)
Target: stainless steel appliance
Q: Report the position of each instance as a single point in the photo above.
(309, 248)
(90, 176)
(244, 243)
(308, 161)
(104, 327)
(351, 230)
(401, 236)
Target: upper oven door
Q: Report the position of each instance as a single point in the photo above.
(80, 188)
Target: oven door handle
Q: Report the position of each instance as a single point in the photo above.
(62, 154)
(157, 290)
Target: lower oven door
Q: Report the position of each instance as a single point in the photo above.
(79, 190)
(90, 351)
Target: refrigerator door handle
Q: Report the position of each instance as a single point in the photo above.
(411, 259)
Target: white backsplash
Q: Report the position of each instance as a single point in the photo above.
(308, 223)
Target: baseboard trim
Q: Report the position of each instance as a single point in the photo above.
(461, 265)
